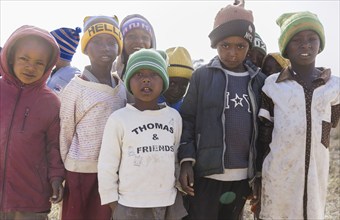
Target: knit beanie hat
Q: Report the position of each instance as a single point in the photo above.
(293, 23)
(68, 40)
(134, 23)
(180, 63)
(259, 44)
(147, 59)
(233, 20)
(94, 25)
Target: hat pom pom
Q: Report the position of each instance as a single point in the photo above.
(78, 30)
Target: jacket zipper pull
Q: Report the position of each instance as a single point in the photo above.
(27, 112)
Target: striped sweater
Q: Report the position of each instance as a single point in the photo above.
(85, 108)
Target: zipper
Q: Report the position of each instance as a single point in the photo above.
(27, 112)
(252, 150)
(6, 148)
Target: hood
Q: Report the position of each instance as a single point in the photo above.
(22, 32)
(153, 43)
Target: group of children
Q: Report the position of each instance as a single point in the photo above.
(126, 139)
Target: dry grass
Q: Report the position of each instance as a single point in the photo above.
(333, 196)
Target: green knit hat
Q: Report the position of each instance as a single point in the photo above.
(293, 23)
(152, 59)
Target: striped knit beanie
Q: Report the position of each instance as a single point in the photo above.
(293, 23)
(233, 20)
(94, 25)
(68, 40)
(136, 23)
(152, 59)
(180, 63)
(259, 44)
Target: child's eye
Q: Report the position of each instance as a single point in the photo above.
(153, 74)
(23, 59)
(40, 64)
(241, 46)
(224, 45)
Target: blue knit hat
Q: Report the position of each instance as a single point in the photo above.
(68, 40)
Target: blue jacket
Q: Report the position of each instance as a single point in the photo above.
(204, 121)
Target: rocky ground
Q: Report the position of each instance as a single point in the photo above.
(333, 197)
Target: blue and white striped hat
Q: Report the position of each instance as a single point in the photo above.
(68, 40)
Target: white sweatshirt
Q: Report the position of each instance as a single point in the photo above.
(136, 164)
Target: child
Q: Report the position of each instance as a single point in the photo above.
(136, 167)
(67, 39)
(274, 63)
(180, 70)
(86, 103)
(257, 53)
(306, 103)
(220, 126)
(32, 171)
(137, 33)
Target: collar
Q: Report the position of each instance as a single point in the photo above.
(288, 74)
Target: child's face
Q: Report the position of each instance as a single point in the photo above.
(303, 48)
(271, 66)
(255, 56)
(30, 59)
(177, 89)
(232, 52)
(136, 39)
(102, 49)
(146, 85)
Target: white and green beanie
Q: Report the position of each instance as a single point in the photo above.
(152, 59)
(293, 23)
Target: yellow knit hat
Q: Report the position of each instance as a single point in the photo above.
(180, 63)
(94, 25)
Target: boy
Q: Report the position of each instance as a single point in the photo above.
(217, 151)
(306, 103)
(67, 39)
(86, 103)
(257, 53)
(136, 167)
(180, 70)
(137, 33)
(31, 170)
(274, 63)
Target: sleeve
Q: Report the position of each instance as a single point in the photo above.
(267, 108)
(109, 160)
(178, 134)
(335, 115)
(188, 111)
(55, 164)
(265, 124)
(335, 111)
(68, 114)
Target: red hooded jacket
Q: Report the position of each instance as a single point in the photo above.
(29, 133)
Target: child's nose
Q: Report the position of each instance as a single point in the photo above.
(146, 79)
(29, 66)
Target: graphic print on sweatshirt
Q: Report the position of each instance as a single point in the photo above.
(156, 145)
(237, 97)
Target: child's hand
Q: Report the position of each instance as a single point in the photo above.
(186, 178)
(58, 191)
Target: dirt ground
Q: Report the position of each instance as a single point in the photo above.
(333, 196)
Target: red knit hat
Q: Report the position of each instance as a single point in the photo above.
(233, 20)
